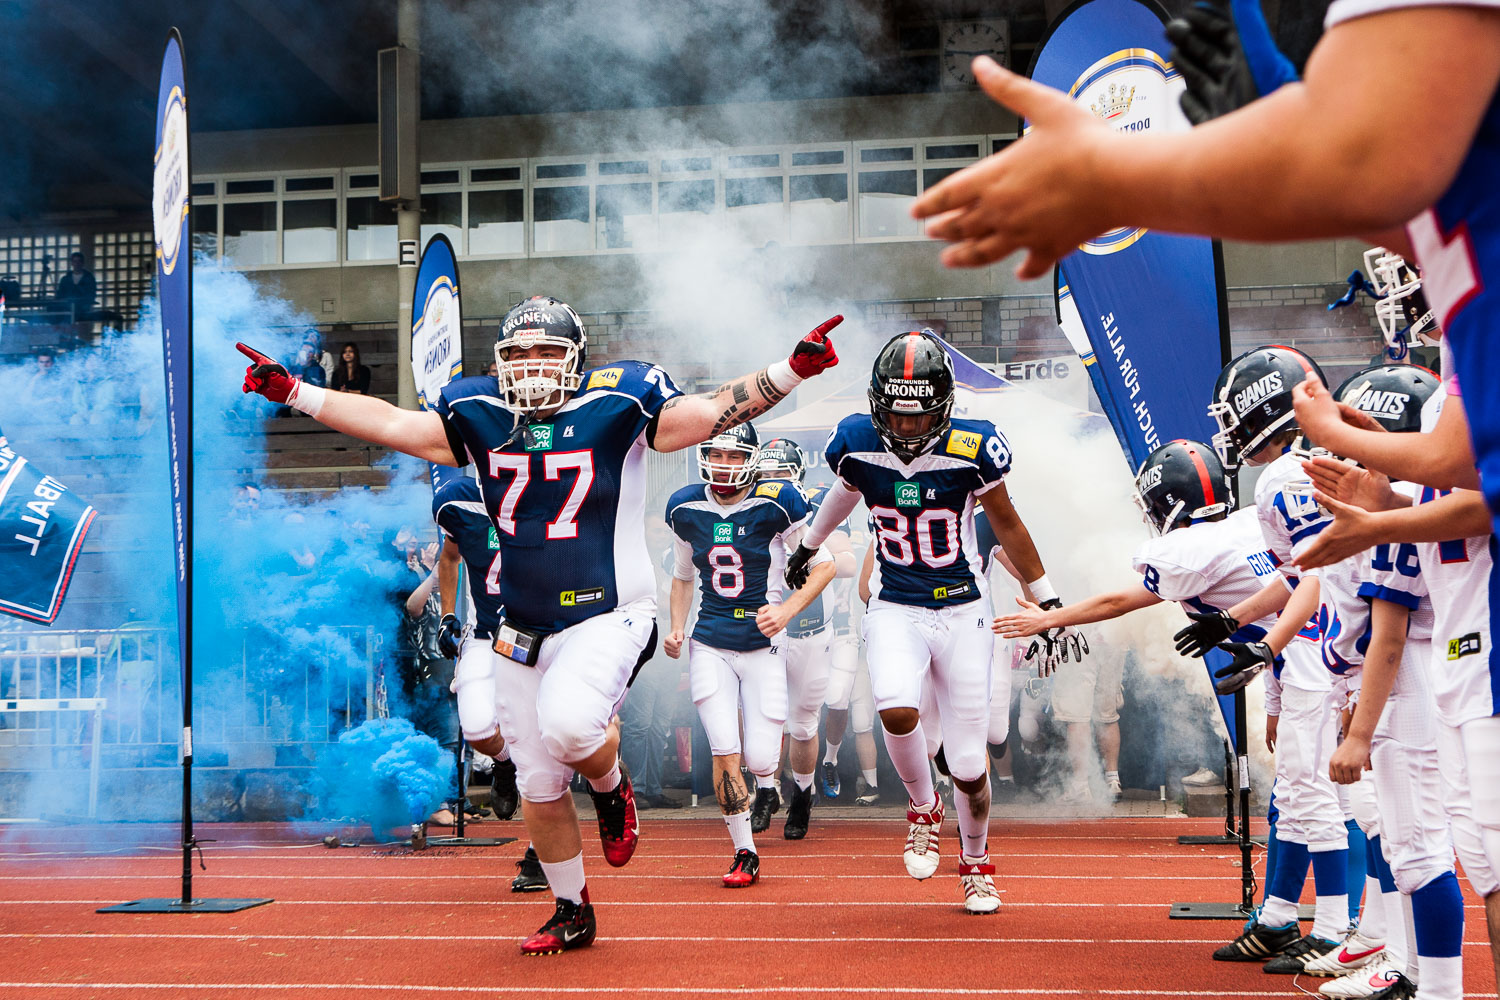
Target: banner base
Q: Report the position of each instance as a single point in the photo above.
(469, 841)
(176, 905)
(1222, 911)
(1218, 840)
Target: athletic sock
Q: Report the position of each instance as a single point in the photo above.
(739, 831)
(504, 753)
(1372, 917)
(908, 753)
(831, 752)
(609, 782)
(1111, 776)
(804, 781)
(872, 781)
(1285, 888)
(1413, 967)
(1358, 868)
(565, 878)
(765, 781)
(1390, 901)
(1330, 872)
(973, 830)
(1438, 916)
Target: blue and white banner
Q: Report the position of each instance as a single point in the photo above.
(170, 191)
(1151, 303)
(42, 527)
(437, 355)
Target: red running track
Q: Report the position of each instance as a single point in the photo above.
(1084, 914)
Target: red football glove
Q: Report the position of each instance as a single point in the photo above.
(267, 377)
(814, 353)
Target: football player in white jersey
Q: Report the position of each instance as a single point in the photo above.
(1252, 404)
(734, 532)
(922, 473)
(561, 455)
(810, 638)
(1456, 552)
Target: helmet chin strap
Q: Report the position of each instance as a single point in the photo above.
(725, 489)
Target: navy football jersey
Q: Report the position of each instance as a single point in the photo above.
(835, 611)
(566, 494)
(458, 509)
(739, 553)
(922, 514)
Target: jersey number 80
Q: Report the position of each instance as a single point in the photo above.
(894, 532)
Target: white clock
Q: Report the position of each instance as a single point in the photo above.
(963, 40)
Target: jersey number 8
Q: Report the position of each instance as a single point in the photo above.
(728, 571)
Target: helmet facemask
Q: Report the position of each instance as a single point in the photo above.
(726, 478)
(908, 446)
(1405, 318)
(530, 384)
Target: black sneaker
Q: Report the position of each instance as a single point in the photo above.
(1257, 942)
(504, 798)
(869, 797)
(571, 926)
(767, 804)
(798, 812)
(1401, 989)
(744, 872)
(1298, 953)
(530, 877)
(831, 785)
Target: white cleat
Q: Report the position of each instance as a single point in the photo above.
(921, 854)
(976, 877)
(1362, 982)
(1356, 952)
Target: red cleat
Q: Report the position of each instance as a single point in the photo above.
(619, 830)
(745, 871)
(571, 926)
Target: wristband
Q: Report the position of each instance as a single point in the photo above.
(307, 398)
(1041, 589)
(782, 377)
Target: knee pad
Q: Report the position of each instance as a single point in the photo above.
(966, 766)
(1361, 796)
(547, 785)
(569, 738)
(803, 725)
(762, 762)
(998, 750)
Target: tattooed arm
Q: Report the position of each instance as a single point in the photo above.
(688, 420)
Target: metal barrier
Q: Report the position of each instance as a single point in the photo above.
(304, 686)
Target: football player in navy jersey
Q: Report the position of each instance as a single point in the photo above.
(560, 453)
(735, 535)
(810, 635)
(921, 472)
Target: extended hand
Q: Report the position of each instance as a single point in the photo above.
(814, 353)
(1207, 631)
(1352, 530)
(1206, 49)
(267, 377)
(450, 634)
(1030, 621)
(797, 566)
(1250, 658)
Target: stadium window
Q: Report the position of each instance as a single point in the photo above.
(687, 201)
(623, 216)
(309, 224)
(818, 197)
(205, 217)
(369, 224)
(250, 233)
(755, 198)
(562, 221)
(496, 211)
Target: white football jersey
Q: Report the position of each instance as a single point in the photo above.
(1212, 567)
(1290, 519)
(1460, 575)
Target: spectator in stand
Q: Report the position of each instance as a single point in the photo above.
(45, 395)
(306, 367)
(314, 339)
(76, 289)
(349, 375)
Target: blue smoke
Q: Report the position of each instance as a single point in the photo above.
(296, 595)
(384, 773)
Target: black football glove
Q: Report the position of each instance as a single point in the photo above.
(1056, 646)
(1250, 658)
(1207, 52)
(796, 566)
(450, 634)
(1207, 631)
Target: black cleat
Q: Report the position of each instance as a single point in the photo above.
(1401, 989)
(1257, 943)
(1298, 953)
(767, 804)
(798, 812)
(571, 926)
(745, 871)
(530, 877)
(504, 798)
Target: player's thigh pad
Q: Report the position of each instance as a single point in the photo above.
(862, 703)
(584, 674)
(540, 777)
(1480, 867)
(1481, 742)
(807, 675)
(843, 655)
(1305, 794)
(1409, 794)
(763, 706)
(1361, 799)
(961, 687)
(897, 653)
(716, 692)
(474, 690)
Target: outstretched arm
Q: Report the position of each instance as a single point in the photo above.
(688, 420)
(415, 432)
(1032, 620)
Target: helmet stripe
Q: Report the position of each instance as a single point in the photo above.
(912, 340)
(1203, 476)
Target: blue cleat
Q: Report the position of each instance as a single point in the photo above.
(830, 780)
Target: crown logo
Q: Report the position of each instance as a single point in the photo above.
(1113, 102)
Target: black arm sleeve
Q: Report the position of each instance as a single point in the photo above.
(455, 441)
